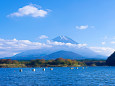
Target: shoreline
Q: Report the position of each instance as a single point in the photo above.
(59, 62)
(54, 66)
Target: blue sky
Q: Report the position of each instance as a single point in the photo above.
(90, 22)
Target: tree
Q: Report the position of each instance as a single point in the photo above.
(68, 61)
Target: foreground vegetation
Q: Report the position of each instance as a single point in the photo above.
(59, 62)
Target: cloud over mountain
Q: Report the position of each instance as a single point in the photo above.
(11, 47)
(14, 46)
(103, 50)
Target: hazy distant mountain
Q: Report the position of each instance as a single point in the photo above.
(31, 54)
(111, 60)
(64, 39)
(58, 54)
(64, 54)
(49, 51)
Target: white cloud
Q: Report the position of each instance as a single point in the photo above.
(82, 27)
(103, 50)
(103, 43)
(82, 45)
(55, 43)
(11, 47)
(30, 10)
(15, 53)
(66, 44)
(43, 37)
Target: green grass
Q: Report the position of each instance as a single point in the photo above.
(12, 65)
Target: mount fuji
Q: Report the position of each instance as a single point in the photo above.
(61, 46)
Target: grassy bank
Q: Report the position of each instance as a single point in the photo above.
(59, 62)
(12, 65)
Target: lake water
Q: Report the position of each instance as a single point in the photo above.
(59, 76)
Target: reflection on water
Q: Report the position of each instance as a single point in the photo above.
(91, 76)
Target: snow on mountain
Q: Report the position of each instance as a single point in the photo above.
(64, 39)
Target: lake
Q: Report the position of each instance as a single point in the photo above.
(59, 76)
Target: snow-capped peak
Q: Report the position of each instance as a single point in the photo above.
(64, 39)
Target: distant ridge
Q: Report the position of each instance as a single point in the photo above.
(64, 54)
(54, 55)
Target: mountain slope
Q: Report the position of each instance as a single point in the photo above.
(31, 54)
(63, 54)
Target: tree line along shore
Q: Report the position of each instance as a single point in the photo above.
(59, 62)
